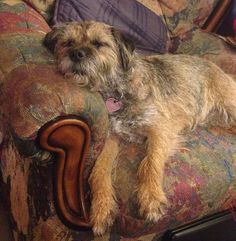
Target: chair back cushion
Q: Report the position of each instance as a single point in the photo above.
(183, 15)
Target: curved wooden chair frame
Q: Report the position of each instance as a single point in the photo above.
(69, 139)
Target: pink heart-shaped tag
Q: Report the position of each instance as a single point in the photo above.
(113, 105)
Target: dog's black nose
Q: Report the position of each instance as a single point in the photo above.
(78, 54)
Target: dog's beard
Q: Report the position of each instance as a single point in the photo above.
(85, 73)
(76, 71)
(98, 73)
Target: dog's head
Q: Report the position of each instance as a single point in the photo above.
(91, 51)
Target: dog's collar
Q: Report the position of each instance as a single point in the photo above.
(113, 105)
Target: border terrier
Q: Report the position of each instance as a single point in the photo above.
(162, 95)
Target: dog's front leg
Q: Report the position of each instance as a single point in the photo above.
(103, 208)
(151, 196)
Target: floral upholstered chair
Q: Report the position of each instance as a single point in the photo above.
(52, 132)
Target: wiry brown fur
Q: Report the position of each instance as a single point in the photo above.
(162, 96)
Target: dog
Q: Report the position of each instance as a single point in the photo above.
(162, 96)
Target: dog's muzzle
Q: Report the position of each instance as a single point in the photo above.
(79, 54)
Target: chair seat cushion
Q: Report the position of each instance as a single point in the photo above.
(200, 179)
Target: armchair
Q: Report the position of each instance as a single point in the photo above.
(52, 132)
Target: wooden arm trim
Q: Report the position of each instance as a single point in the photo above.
(69, 139)
(214, 19)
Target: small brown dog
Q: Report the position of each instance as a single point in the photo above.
(162, 95)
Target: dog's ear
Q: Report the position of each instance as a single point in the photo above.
(125, 46)
(52, 37)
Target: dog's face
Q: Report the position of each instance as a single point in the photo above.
(91, 51)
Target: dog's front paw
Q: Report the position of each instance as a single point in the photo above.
(102, 215)
(152, 203)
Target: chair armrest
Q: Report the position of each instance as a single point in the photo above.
(34, 93)
(69, 139)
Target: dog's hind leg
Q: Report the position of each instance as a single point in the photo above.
(225, 97)
(103, 208)
(230, 101)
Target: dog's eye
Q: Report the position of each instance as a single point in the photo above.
(97, 44)
(68, 43)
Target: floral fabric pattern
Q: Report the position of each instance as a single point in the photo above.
(45, 8)
(199, 179)
(208, 46)
(33, 92)
(182, 15)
